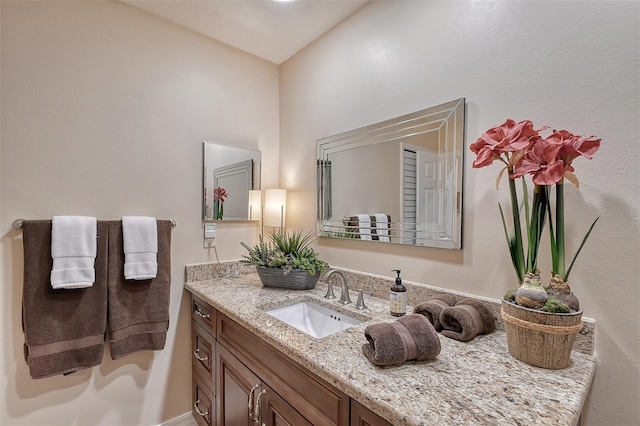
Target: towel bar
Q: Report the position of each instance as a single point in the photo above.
(17, 224)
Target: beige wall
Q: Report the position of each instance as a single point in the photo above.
(104, 109)
(568, 65)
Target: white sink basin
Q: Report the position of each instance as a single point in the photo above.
(313, 319)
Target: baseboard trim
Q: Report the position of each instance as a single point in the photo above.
(184, 420)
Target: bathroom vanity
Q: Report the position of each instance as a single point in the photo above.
(239, 379)
(250, 367)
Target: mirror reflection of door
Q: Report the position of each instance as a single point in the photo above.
(409, 194)
(430, 196)
(422, 196)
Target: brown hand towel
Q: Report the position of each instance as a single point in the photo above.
(411, 337)
(432, 308)
(466, 320)
(138, 309)
(64, 329)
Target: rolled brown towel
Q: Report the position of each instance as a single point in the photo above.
(412, 337)
(431, 308)
(466, 320)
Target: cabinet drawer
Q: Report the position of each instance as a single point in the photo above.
(204, 402)
(203, 314)
(316, 400)
(203, 354)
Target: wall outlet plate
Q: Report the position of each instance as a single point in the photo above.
(210, 230)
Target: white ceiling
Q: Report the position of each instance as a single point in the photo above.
(272, 30)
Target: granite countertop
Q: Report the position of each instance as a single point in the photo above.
(470, 383)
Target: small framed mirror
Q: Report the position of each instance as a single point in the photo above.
(397, 181)
(229, 173)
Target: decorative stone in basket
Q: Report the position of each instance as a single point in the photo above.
(286, 260)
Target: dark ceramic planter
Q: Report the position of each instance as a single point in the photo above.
(294, 280)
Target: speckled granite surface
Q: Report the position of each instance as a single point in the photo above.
(470, 383)
(379, 286)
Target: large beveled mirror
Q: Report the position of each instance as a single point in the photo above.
(398, 181)
(229, 173)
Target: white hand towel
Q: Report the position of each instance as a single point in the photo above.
(364, 225)
(382, 226)
(73, 250)
(140, 241)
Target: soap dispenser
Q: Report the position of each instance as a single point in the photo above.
(398, 297)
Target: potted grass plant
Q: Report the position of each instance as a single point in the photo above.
(541, 320)
(285, 260)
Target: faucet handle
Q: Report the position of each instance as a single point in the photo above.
(360, 303)
(329, 294)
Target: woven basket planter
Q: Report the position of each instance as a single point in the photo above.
(294, 280)
(539, 338)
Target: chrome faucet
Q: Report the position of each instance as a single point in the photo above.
(344, 296)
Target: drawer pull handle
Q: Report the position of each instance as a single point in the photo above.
(200, 314)
(198, 357)
(195, 407)
(256, 413)
(250, 405)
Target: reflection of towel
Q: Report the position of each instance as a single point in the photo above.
(138, 311)
(364, 226)
(73, 248)
(412, 337)
(432, 308)
(380, 223)
(466, 320)
(140, 237)
(64, 329)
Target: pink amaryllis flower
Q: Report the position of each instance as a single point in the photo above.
(549, 161)
(509, 137)
(220, 194)
(542, 162)
(572, 147)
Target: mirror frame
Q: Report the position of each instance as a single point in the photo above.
(240, 166)
(448, 121)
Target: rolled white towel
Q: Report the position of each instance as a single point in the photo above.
(364, 226)
(140, 243)
(73, 250)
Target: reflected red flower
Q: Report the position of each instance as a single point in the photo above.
(220, 194)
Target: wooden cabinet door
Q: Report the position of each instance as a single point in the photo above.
(237, 389)
(275, 411)
(316, 400)
(362, 416)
